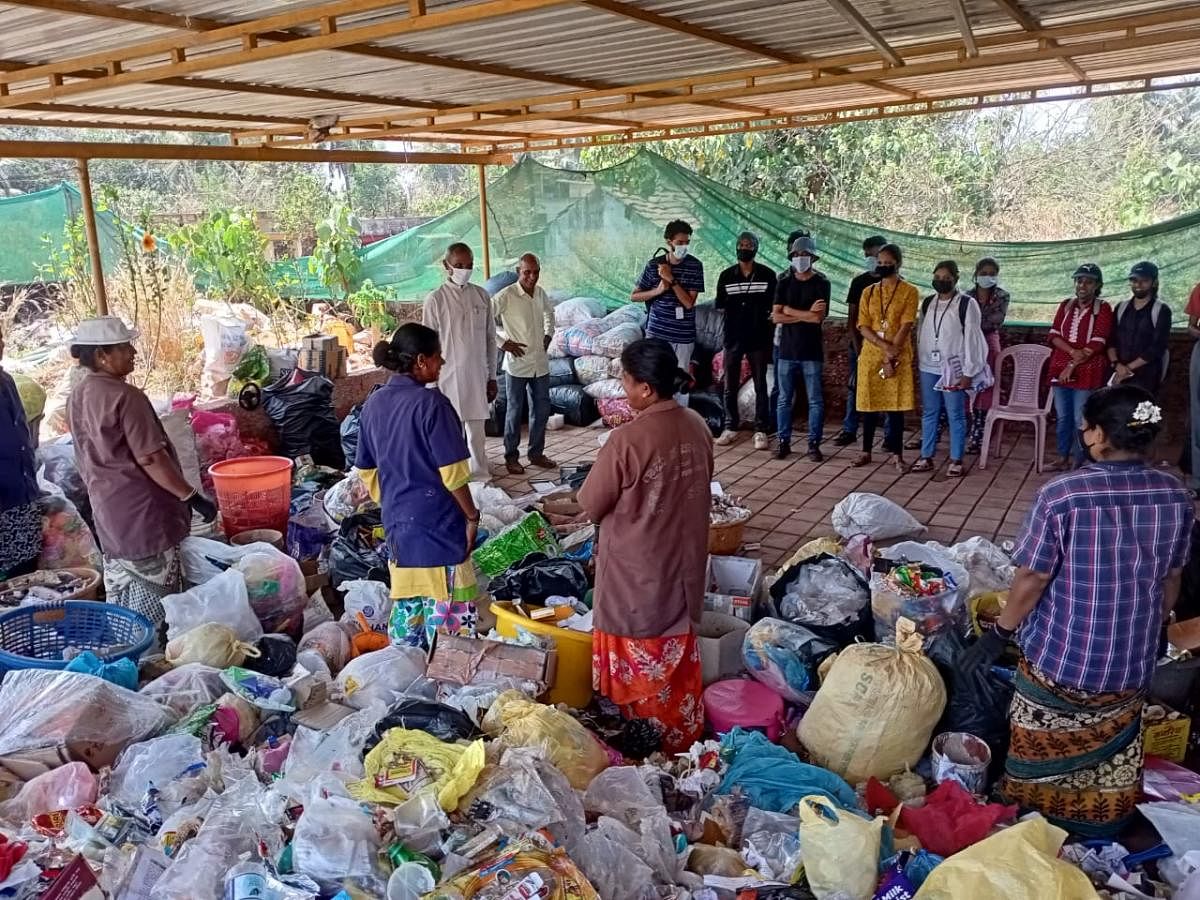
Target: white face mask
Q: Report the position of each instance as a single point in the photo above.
(987, 281)
(802, 263)
(872, 262)
(460, 276)
(680, 250)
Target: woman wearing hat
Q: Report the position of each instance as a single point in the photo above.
(141, 502)
(20, 511)
(1141, 330)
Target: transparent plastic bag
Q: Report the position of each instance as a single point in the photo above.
(419, 822)
(989, 568)
(66, 787)
(156, 761)
(784, 657)
(336, 751)
(577, 310)
(606, 856)
(331, 642)
(624, 793)
(275, 586)
(335, 839)
(67, 541)
(517, 721)
(381, 676)
(451, 769)
(877, 517)
(825, 592)
(224, 599)
(205, 559)
(212, 644)
(771, 844)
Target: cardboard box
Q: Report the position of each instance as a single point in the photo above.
(721, 637)
(460, 660)
(732, 586)
(1166, 738)
(330, 363)
(322, 343)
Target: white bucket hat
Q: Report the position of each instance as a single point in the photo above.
(103, 331)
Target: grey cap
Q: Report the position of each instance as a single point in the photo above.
(803, 244)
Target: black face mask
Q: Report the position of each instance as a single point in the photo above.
(885, 270)
(746, 255)
(942, 285)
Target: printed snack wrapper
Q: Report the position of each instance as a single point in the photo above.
(533, 863)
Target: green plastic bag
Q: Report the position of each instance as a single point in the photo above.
(531, 535)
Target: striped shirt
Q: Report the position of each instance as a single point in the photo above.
(1108, 534)
(669, 319)
(746, 302)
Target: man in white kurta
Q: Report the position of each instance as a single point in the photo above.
(461, 313)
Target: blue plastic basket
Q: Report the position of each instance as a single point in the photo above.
(34, 637)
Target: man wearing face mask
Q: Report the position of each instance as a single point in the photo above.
(860, 283)
(1141, 330)
(746, 293)
(801, 304)
(670, 283)
(461, 314)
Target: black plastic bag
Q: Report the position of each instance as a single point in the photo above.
(350, 427)
(278, 655)
(711, 407)
(437, 719)
(562, 371)
(710, 327)
(355, 554)
(573, 402)
(842, 634)
(60, 469)
(303, 413)
(538, 576)
(976, 703)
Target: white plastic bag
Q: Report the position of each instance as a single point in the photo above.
(225, 341)
(877, 517)
(204, 559)
(381, 676)
(990, 568)
(590, 369)
(841, 850)
(579, 309)
(1177, 823)
(224, 600)
(609, 388)
(613, 342)
(335, 837)
(156, 761)
(372, 599)
(337, 750)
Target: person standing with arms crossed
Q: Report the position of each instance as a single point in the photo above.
(801, 304)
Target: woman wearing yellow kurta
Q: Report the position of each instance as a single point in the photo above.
(886, 316)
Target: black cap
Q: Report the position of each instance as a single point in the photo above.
(1144, 269)
(1089, 270)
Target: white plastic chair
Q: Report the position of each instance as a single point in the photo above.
(1024, 399)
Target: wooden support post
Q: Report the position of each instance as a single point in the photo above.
(483, 222)
(93, 237)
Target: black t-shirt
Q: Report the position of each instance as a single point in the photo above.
(803, 340)
(861, 282)
(747, 305)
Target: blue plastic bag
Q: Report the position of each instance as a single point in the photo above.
(773, 778)
(123, 672)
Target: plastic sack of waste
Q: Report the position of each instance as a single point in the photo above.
(303, 413)
(331, 642)
(212, 644)
(517, 721)
(841, 850)
(204, 559)
(67, 541)
(771, 845)
(337, 750)
(747, 399)
(121, 672)
(348, 497)
(522, 793)
(615, 411)
(988, 568)
(826, 595)
(184, 688)
(531, 866)
(309, 533)
(404, 762)
(66, 787)
(931, 612)
(605, 857)
(335, 838)
(56, 464)
(773, 778)
(612, 343)
(276, 656)
(976, 702)
(156, 761)
(784, 657)
(877, 517)
(275, 586)
(419, 822)
(256, 880)
(538, 577)
(370, 598)
(435, 719)
(1021, 861)
(382, 676)
(225, 342)
(630, 313)
(590, 369)
(607, 389)
(90, 718)
(224, 599)
(875, 709)
(532, 534)
(261, 691)
(580, 339)
(577, 310)
(356, 553)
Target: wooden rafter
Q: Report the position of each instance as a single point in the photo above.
(156, 113)
(846, 9)
(1030, 24)
(116, 125)
(97, 150)
(959, 8)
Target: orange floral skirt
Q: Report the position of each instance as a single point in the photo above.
(653, 678)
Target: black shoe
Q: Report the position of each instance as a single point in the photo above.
(815, 454)
(845, 439)
(783, 451)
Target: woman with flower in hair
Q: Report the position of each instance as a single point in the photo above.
(1100, 559)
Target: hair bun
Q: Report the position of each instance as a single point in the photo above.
(383, 355)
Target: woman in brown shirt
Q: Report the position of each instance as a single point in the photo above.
(649, 495)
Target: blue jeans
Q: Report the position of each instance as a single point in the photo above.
(785, 377)
(539, 390)
(933, 402)
(1068, 407)
(850, 423)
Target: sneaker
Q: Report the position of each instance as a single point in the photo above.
(783, 451)
(541, 461)
(815, 454)
(761, 441)
(727, 437)
(514, 467)
(845, 439)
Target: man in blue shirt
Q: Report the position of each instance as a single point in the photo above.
(669, 285)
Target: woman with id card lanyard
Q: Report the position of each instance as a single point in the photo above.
(951, 352)
(887, 313)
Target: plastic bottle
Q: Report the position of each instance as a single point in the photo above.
(246, 881)
(276, 753)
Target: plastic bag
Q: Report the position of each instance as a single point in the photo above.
(56, 463)
(950, 819)
(977, 702)
(337, 750)
(372, 599)
(303, 413)
(277, 656)
(988, 568)
(773, 778)
(122, 672)
(335, 839)
(275, 586)
(405, 762)
(212, 644)
(264, 692)
(933, 613)
(630, 313)
(574, 405)
(589, 369)
(222, 600)
(330, 641)
(517, 721)
(355, 553)
(225, 342)
(204, 559)
(531, 867)
(577, 310)
(1021, 861)
(381, 676)
(875, 709)
(606, 389)
(348, 431)
(347, 497)
(580, 339)
(67, 541)
(435, 719)
(182, 689)
(827, 596)
(66, 787)
(875, 516)
(771, 845)
(1177, 823)
(532, 534)
(154, 762)
(841, 850)
(612, 343)
(309, 534)
(538, 577)
(562, 371)
(784, 657)
(615, 411)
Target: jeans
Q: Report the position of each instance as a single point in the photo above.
(733, 377)
(785, 376)
(1068, 406)
(539, 391)
(893, 431)
(773, 403)
(1194, 375)
(683, 355)
(933, 403)
(850, 423)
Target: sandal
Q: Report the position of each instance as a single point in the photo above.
(896, 462)
(924, 464)
(954, 470)
(863, 459)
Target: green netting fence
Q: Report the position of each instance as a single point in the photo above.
(28, 219)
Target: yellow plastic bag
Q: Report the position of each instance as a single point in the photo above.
(518, 721)
(212, 644)
(406, 762)
(841, 850)
(875, 709)
(1013, 864)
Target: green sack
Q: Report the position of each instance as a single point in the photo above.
(532, 534)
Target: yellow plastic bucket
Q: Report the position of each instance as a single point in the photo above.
(573, 679)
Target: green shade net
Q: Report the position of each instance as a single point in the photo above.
(27, 220)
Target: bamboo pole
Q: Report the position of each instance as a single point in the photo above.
(93, 237)
(483, 222)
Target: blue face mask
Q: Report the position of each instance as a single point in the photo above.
(802, 264)
(680, 250)
(987, 281)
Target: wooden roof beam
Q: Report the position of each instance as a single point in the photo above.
(959, 8)
(114, 125)
(98, 150)
(151, 112)
(1030, 24)
(867, 30)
